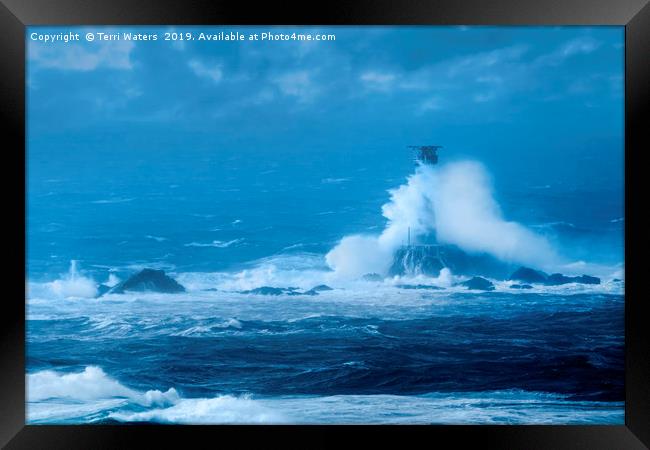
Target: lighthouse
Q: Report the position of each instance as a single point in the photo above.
(426, 154)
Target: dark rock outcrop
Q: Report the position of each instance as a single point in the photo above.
(430, 259)
(558, 279)
(520, 286)
(528, 275)
(321, 287)
(586, 279)
(309, 292)
(479, 284)
(417, 260)
(267, 290)
(148, 280)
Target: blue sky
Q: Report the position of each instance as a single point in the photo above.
(533, 103)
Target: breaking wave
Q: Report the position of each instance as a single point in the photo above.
(92, 396)
(73, 284)
(454, 202)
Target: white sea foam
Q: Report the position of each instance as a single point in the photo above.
(225, 409)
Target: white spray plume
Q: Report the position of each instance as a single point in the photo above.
(73, 284)
(456, 201)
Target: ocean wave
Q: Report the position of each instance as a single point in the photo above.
(93, 396)
(77, 396)
(156, 238)
(215, 243)
(224, 409)
(209, 329)
(112, 200)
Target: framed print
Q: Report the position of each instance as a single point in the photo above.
(392, 220)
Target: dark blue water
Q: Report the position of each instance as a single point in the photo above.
(576, 353)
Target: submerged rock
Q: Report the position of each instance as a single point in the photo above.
(558, 279)
(586, 279)
(479, 284)
(148, 280)
(270, 290)
(321, 287)
(309, 292)
(520, 286)
(372, 277)
(528, 275)
(266, 290)
(417, 286)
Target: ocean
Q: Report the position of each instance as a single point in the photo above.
(365, 351)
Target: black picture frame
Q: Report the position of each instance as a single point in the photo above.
(15, 15)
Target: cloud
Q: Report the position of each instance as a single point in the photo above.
(179, 42)
(202, 70)
(485, 97)
(82, 56)
(485, 60)
(375, 80)
(297, 84)
(431, 104)
(499, 70)
(579, 46)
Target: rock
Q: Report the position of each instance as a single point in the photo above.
(557, 279)
(479, 284)
(321, 287)
(265, 290)
(417, 260)
(372, 277)
(528, 275)
(586, 279)
(269, 290)
(429, 259)
(309, 292)
(148, 280)
(102, 289)
(520, 286)
(417, 286)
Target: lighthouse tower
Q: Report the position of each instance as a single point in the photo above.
(426, 154)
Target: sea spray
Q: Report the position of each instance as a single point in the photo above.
(74, 284)
(455, 204)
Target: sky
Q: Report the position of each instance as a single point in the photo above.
(535, 104)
